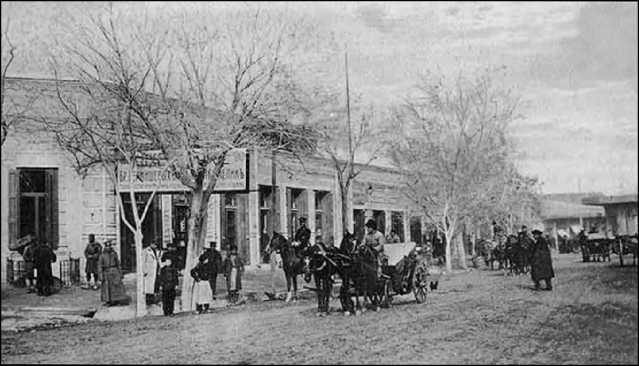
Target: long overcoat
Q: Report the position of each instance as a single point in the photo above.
(150, 267)
(541, 264)
(113, 290)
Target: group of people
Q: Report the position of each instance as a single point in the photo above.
(38, 257)
(210, 263)
(161, 270)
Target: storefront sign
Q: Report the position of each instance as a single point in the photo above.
(233, 177)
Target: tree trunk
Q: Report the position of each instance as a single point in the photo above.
(473, 244)
(345, 208)
(461, 251)
(140, 299)
(448, 253)
(195, 243)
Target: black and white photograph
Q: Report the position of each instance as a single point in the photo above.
(330, 182)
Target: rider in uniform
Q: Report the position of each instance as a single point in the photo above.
(375, 240)
(302, 236)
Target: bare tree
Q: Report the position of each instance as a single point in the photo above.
(452, 146)
(351, 144)
(13, 111)
(197, 92)
(100, 131)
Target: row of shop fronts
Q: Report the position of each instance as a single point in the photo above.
(43, 196)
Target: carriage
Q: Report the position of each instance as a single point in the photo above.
(404, 271)
(596, 247)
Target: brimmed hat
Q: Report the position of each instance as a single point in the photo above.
(302, 219)
(371, 224)
(536, 231)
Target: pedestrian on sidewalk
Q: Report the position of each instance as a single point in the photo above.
(92, 254)
(233, 269)
(168, 283)
(212, 264)
(113, 291)
(541, 263)
(202, 290)
(150, 269)
(29, 256)
(42, 259)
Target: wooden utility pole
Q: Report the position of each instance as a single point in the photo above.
(348, 113)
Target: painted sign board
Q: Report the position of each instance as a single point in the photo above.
(232, 178)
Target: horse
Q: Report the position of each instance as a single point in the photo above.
(359, 278)
(292, 262)
(485, 250)
(321, 267)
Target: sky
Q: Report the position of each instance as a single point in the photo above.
(574, 65)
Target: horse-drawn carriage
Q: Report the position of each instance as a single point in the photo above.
(405, 271)
(596, 247)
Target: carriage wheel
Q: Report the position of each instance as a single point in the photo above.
(419, 285)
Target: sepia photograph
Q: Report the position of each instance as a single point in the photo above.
(356, 182)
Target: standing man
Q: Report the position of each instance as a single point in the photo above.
(212, 264)
(302, 236)
(151, 268)
(375, 240)
(541, 266)
(43, 257)
(92, 254)
(29, 256)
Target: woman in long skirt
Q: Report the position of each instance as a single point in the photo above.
(113, 291)
(202, 290)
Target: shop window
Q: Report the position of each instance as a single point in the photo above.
(324, 215)
(33, 205)
(359, 218)
(296, 208)
(380, 219)
(269, 219)
(397, 224)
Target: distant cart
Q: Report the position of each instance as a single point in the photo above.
(596, 247)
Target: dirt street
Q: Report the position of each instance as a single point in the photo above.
(475, 317)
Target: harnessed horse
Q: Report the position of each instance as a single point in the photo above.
(292, 262)
(359, 277)
(320, 265)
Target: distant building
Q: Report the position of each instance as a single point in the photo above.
(43, 196)
(564, 218)
(620, 212)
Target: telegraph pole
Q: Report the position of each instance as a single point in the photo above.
(348, 110)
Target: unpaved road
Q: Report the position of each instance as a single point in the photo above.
(475, 317)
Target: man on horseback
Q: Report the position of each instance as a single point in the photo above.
(375, 240)
(302, 236)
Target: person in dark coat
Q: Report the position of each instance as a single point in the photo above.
(29, 255)
(233, 268)
(113, 291)
(541, 262)
(42, 259)
(211, 260)
(168, 284)
(92, 254)
(302, 236)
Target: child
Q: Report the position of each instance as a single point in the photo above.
(168, 283)
(233, 268)
(202, 290)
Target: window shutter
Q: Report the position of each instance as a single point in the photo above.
(52, 203)
(14, 214)
(289, 205)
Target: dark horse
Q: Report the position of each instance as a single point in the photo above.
(320, 265)
(359, 276)
(292, 262)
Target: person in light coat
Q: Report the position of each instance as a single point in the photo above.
(150, 269)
